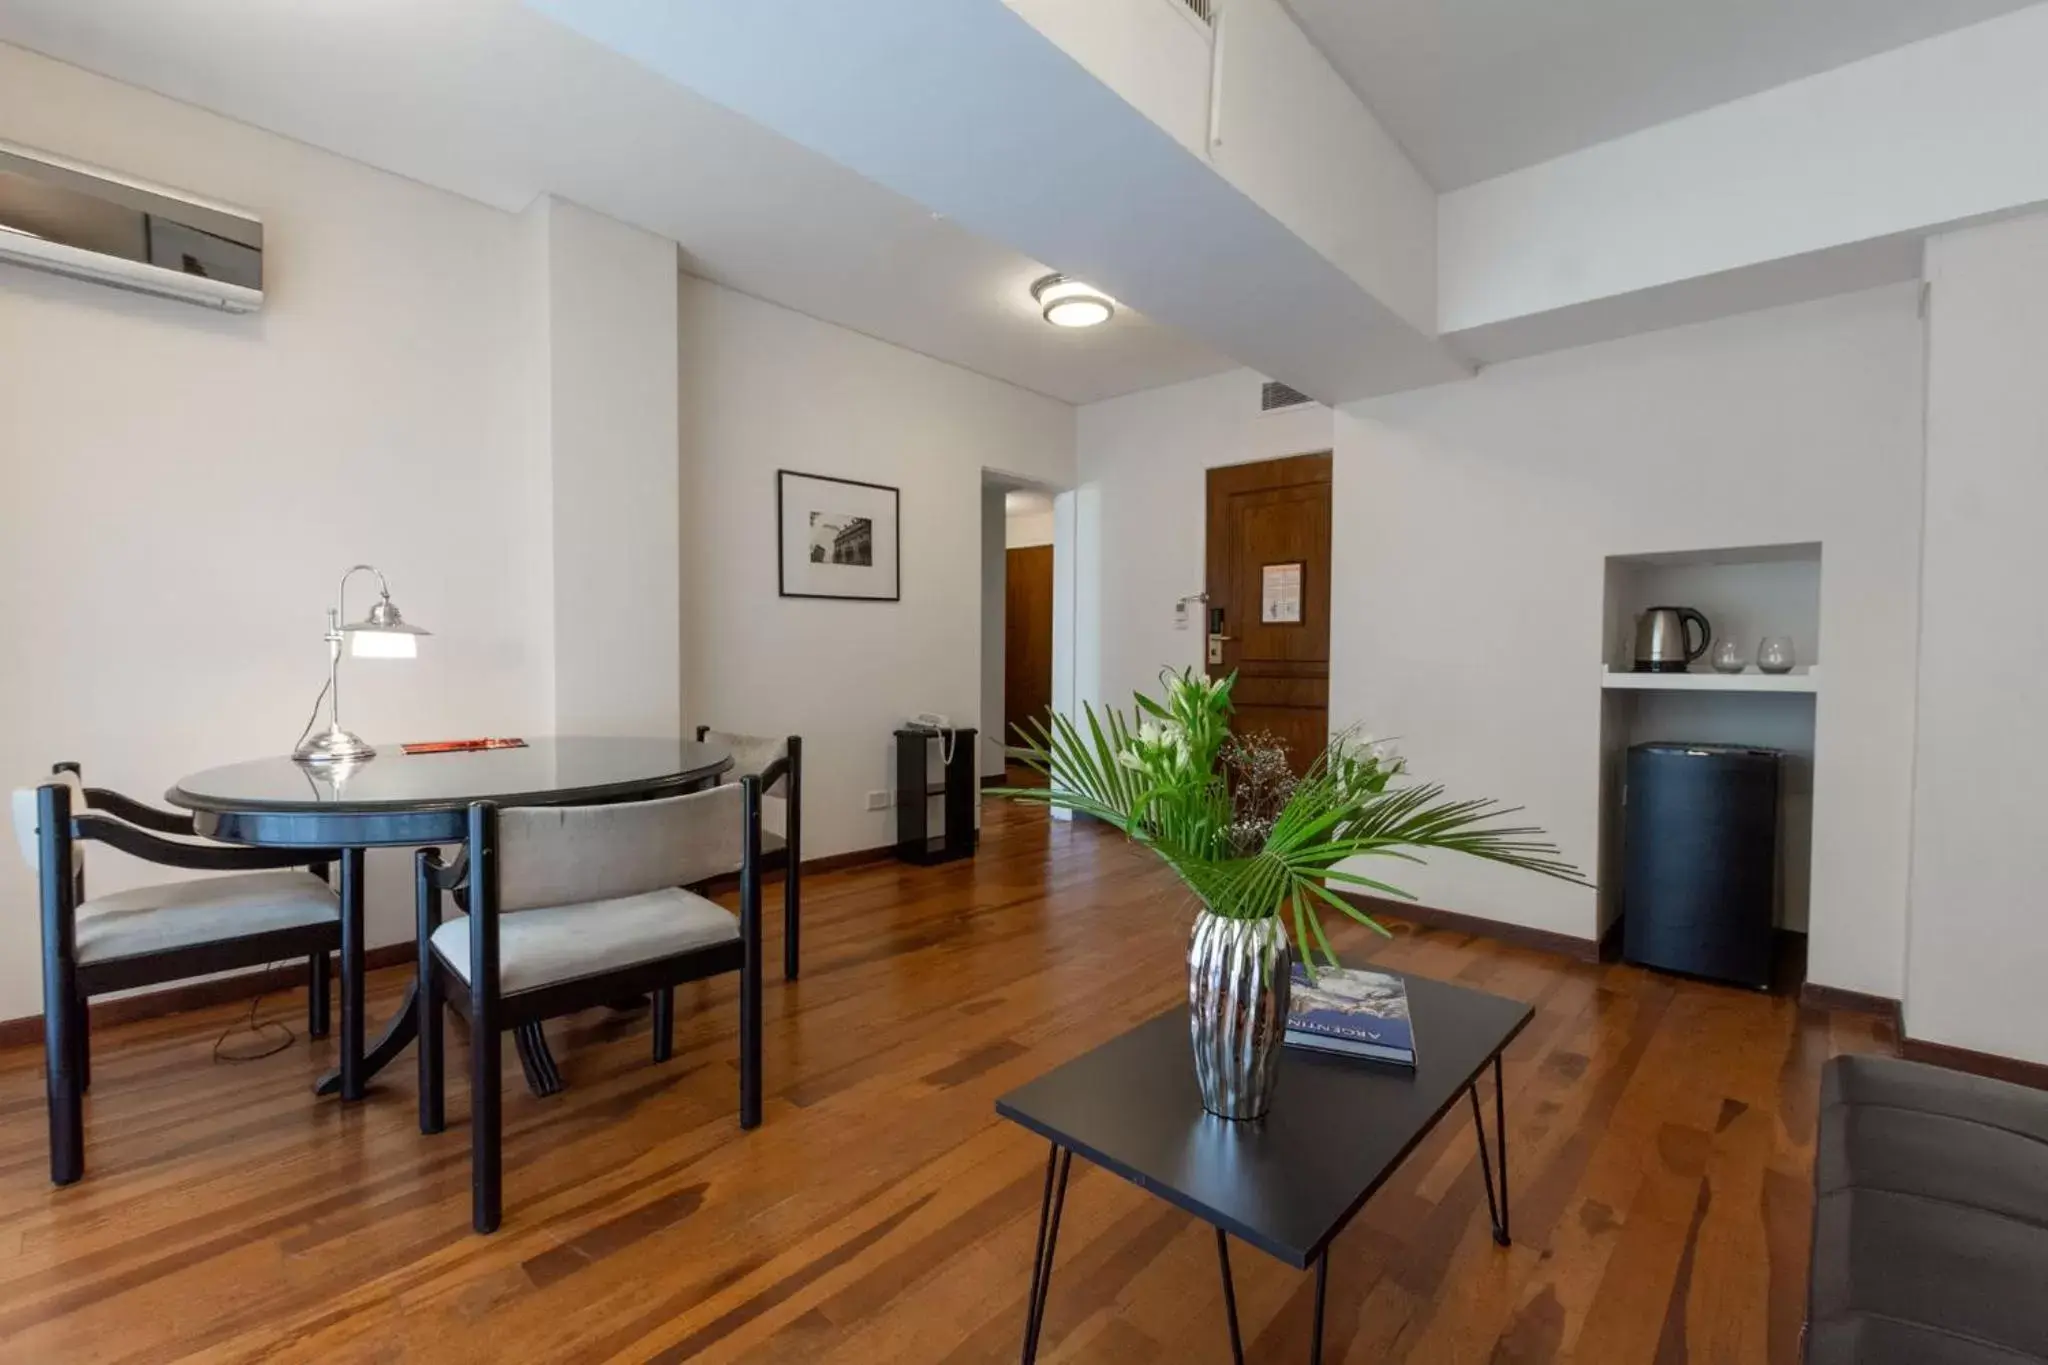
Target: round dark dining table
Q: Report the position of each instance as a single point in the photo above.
(401, 800)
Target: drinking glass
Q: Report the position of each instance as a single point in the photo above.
(1774, 655)
(1728, 658)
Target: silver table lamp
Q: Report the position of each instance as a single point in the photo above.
(383, 634)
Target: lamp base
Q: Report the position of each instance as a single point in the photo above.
(333, 745)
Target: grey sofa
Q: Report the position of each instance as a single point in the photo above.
(1930, 1242)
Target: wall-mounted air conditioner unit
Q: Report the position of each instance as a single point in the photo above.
(70, 219)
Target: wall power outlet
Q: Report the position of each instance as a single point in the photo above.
(878, 800)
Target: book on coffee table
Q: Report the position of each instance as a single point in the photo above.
(1354, 1012)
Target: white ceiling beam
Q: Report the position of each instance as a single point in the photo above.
(1820, 184)
(966, 108)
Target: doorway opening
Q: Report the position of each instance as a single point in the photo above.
(1016, 617)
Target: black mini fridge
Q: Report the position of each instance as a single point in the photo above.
(1700, 860)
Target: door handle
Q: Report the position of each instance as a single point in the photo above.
(1216, 647)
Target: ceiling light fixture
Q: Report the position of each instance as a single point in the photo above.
(1070, 303)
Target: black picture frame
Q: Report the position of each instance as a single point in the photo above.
(895, 513)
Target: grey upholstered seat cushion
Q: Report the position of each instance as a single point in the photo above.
(560, 943)
(1931, 1227)
(150, 919)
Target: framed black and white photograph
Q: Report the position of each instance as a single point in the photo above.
(837, 537)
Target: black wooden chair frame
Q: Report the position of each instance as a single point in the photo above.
(474, 874)
(68, 984)
(790, 857)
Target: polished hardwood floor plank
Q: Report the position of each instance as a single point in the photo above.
(1661, 1138)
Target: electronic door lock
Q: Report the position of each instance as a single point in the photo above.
(1216, 635)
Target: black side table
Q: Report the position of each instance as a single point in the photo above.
(1287, 1183)
(916, 841)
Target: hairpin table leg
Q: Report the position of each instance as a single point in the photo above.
(1315, 1341)
(1496, 1203)
(1229, 1297)
(1049, 1206)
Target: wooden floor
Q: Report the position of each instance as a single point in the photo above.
(1661, 1137)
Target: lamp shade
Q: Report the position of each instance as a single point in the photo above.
(383, 634)
(384, 644)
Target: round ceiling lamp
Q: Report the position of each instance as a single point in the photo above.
(1070, 303)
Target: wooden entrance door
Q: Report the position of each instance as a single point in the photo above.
(1269, 596)
(1027, 637)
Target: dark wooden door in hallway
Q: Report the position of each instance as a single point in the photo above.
(1269, 596)
(1027, 644)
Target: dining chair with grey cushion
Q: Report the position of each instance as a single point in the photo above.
(572, 907)
(781, 817)
(277, 907)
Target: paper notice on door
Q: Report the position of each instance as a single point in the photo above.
(1280, 598)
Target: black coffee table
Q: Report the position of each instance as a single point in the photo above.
(1287, 1183)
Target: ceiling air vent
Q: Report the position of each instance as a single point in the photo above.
(1205, 10)
(1275, 396)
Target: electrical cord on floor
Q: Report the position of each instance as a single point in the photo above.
(255, 1028)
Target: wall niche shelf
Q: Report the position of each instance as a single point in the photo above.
(1798, 680)
(1747, 592)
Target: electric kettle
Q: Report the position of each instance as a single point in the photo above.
(1664, 639)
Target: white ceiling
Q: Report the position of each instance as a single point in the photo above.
(1476, 88)
(494, 102)
(963, 106)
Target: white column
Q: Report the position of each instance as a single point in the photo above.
(606, 384)
(1977, 953)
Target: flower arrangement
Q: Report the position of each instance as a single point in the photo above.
(1251, 839)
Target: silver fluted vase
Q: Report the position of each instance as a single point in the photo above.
(1239, 973)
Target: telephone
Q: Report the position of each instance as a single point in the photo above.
(938, 725)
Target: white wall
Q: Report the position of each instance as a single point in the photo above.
(1905, 141)
(1139, 518)
(767, 389)
(610, 387)
(161, 465)
(1076, 563)
(1473, 524)
(1979, 952)
(1022, 530)
(995, 587)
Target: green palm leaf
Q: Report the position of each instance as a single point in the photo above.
(1160, 783)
